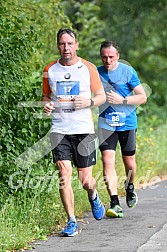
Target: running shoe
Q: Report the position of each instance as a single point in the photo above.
(71, 229)
(98, 209)
(131, 198)
(114, 212)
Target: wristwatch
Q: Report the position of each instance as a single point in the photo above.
(91, 103)
(125, 101)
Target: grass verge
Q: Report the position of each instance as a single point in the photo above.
(25, 218)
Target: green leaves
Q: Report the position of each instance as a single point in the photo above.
(139, 28)
(84, 16)
(27, 44)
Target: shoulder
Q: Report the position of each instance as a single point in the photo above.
(127, 69)
(126, 66)
(88, 64)
(101, 69)
(49, 65)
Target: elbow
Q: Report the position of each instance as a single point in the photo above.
(104, 99)
(144, 99)
(100, 99)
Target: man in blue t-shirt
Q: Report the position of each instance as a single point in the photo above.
(118, 122)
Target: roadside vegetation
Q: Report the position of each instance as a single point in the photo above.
(33, 213)
(30, 207)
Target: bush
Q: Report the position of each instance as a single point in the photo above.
(26, 47)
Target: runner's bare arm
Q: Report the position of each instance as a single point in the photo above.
(82, 102)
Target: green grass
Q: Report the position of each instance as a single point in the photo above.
(34, 213)
(151, 153)
(24, 219)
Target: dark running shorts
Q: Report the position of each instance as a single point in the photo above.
(81, 149)
(127, 139)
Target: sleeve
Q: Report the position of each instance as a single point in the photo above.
(45, 80)
(95, 81)
(133, 79)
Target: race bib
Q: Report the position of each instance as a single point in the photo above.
(115, 118)
(65, 91)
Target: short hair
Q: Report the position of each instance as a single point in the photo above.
(64, 31)
(108, 43)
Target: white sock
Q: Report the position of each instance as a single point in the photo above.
(72, 218)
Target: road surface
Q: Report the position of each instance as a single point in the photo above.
(143, 228)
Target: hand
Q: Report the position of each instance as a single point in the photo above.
(114, 98)
(49, 107)
(81, 102)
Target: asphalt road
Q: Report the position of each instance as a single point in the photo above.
(143, 228)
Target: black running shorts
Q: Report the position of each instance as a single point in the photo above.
(81, 149)
(108, 141)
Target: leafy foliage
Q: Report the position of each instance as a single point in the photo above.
(139, 28)
(84, 17)
(29, 183)
(27, 43)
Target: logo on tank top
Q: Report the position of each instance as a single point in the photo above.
(67, 76)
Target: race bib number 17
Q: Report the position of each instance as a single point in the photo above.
(65, 91)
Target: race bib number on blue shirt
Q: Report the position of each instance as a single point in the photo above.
(115, 118)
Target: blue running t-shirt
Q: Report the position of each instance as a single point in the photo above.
(122, 80)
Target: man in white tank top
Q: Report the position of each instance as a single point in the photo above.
(68, 85)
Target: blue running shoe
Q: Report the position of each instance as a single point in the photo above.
(71, 229)
(98, 209)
